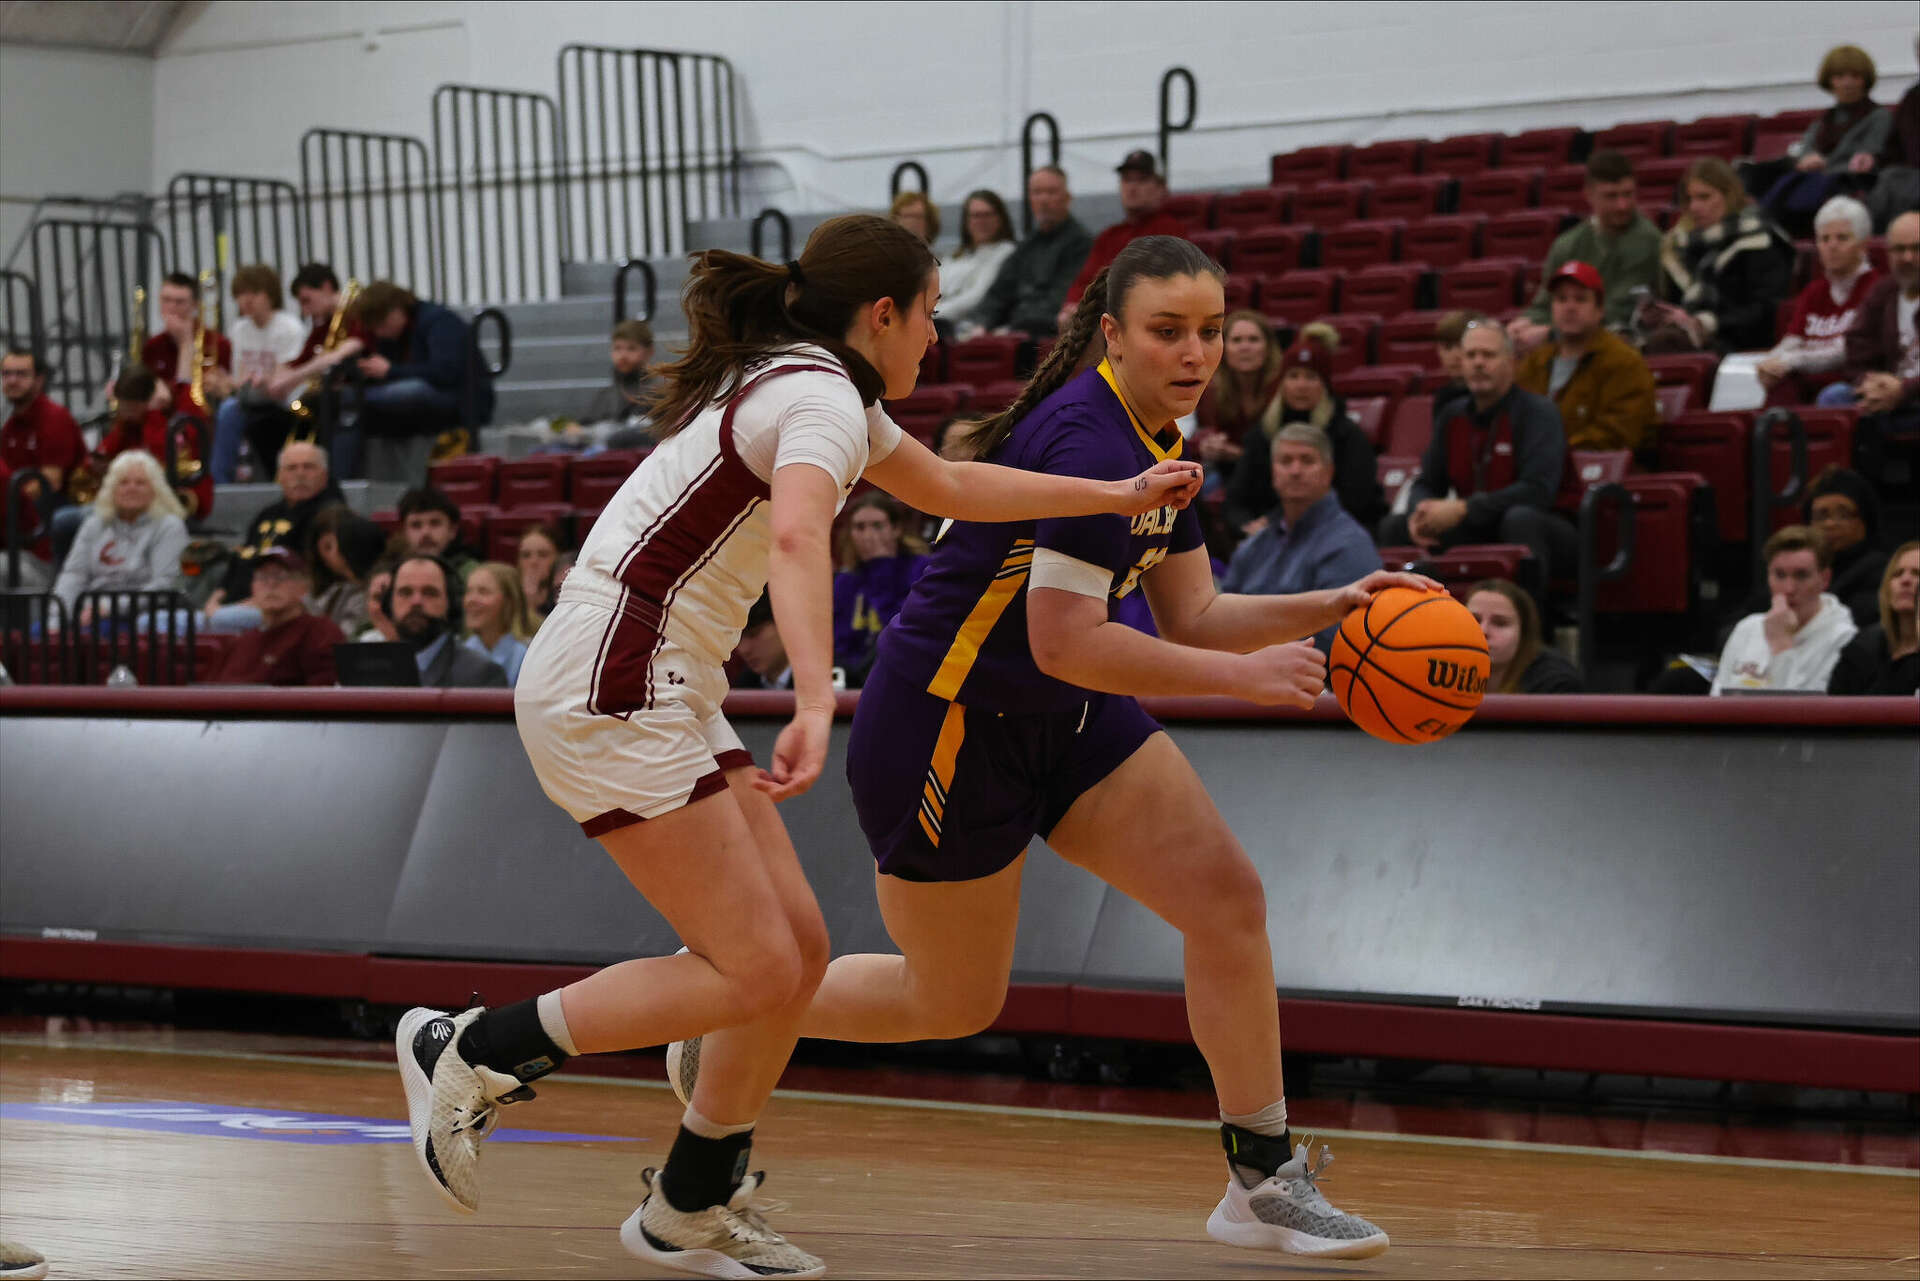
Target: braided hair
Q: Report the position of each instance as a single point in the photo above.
(1148, 258)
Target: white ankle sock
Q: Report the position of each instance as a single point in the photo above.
(706, 1129)
(553, 1021)
(1270, 1120)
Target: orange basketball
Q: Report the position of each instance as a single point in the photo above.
(1409, 667)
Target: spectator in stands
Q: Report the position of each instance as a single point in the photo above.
(878, 561)
(1306, 395)
(426, 616)
(915, 211)
(1245, 390)
(132, 537)
(1142, 191)
(1726, 268)
(1795, 644)
(1885, 657)
(422, 377)
(345, 549)
(317, 291)
(306, 490)
(630, 395)
(986, 242)
(38, 437)
(379, 584)
(1855, 125)
(538, 551)
(1896, 169)
(1308, 541)
(290, 646)
(1843, 507)
(171, 353)
(1621, 242)
(1883, 353)
(762, 654)
(266, 346)
(1813, 351)
(1521, 662)
(1447, 333)
(1502, 451)
(137, 424)
(1025, 296)
(430, 526)
(1600, 384)
(497, 621)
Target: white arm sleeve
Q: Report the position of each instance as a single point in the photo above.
(1059, 570)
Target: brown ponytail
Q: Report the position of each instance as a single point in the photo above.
(740, 309)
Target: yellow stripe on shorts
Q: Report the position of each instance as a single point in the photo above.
(946, 753)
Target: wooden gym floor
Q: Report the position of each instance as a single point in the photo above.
(880, 1188)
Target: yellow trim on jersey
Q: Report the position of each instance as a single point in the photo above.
(1146, 437)
(946, 752)
(993, 602)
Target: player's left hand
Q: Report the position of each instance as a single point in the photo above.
(1354, 595)
(1174, 482)
(799, 754)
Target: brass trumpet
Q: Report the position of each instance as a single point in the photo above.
(206, 341)
(302, 406)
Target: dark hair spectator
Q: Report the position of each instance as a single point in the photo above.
(1245, 390)
(422, 376)
(1520, 660)
(1447, 333)
(258, 278)
(1032, 283)
(1855, 125)
(1726, 269)
(430, 526)
(916, 211)
(137, 425)
(290, 646)
(1795, 644)
(1617, 239)
(634, 388)
(536, 555)
(1306, 395)
(345, 548)
(267, 343)
(132, 537)
(171, 353)
(1844, 508)
(1600, 384)
(1883, 360)
(761, 654)
(424, 604)
(1812, 353)
(1885, 657)
(38, 433)
(986, 242)
(878, 560)
(314, 275)
(494, 610)
(1896, 169)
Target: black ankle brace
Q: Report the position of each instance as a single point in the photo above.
(1263, 1152)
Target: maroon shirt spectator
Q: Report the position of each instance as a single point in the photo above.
(179, 315)
(1812, 351)
(37, 433)
(1142, 192)
(291, 646)
(1884, 368)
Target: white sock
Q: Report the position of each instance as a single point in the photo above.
(1270, 1120)
(706, 1129)
(553, 1021)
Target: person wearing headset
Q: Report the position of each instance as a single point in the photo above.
(426, 616)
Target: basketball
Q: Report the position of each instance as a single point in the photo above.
(1408, 666)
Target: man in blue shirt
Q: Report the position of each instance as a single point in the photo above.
(1309, 541)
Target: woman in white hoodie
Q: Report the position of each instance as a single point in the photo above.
(131, 540)
(1794, 645)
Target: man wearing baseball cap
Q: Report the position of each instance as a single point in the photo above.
(291, 646)
(1601, 385)
(1142, 191)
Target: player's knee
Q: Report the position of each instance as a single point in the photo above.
(767, 976)
(965, 1010)
(815, 950)
(1228, 896)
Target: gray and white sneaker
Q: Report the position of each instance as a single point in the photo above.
(21, 1263)
(730, 1240)
(452, 1105)
(683, 1069)
(1287, 1212)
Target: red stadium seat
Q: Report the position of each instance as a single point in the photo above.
(1361, 244)
(1194, 208)
(1637, 140)
(1673, 401)
(1540, 147)
(1218, 245)
(1497, 191)
(1407, 339)
(1796, 118)
(1330, 204)
(1723, 136)
(539, 479)
(1369, 414)
(1410, 428)
(1524, 233)
(1660, 578)
(504, 529)
(994, 397)
(1388, 288)
(1298, 296)
(1356, 330)
(583, 519)
(1269, 251)
(1658, 178)
(1245, 210)
(387, 519)
(1459, 568)
(1309, 164)
(1443, 241)
(1410, 197)
(1829, 444)
(1385, 159)
(1393, 471)
(473, 523)
(1390, 381)
(1587, 468)
(1694, 369)
(1491, 285)
(1715, 447)
(923, 413)
(985, 359)
(1242, 291)
(933, 365)
(1772, 144)
(1564, 185)
(594, 481)
(1463, 153)
(465, 480)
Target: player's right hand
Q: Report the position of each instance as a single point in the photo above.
(799, 754)
(1290, 675)
(1174, 482)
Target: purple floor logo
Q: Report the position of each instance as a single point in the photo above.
(248, 1123)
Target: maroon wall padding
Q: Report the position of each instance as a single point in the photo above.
(221, 969)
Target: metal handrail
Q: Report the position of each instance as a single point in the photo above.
(35, 333)
(900, 171)
(1026, 159)
(646, 271)
(1592, 575)
(1763, 500)
(116, 608)
(518, 169)
(1167, 126)
(319, 146)
(135, 203)
(782, 223)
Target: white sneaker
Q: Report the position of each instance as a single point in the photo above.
(730, 1240)
(19, 1261)
(452, 1105)
(1288, 1213)
(683, 1069)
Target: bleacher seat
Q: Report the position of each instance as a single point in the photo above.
(1309, 164)
(1259, 207)
(1539, 147)
(1658, 178)
(583, 518)
(1724, 136)
(1443, 241)
(1193, 208)
(1268, 251)
(1589, 467)
(594, 481)
(504, 529)
(994, 397)
(1393, 472)
(1829, 444)
(388, 520)
(1391, 381)
(1796, 118)
(985, 359)
(1387, 159)
(1497, 191)
(1298, 296)
(923, 413)
(1490, 285)
(1388, 288)
(1407, 339)
(933, 365)
(1713, 446)
(1524, 233)
(1356, 330)
(1463, 153)
(1411, 196)
(470, 479)
(1459, 568)
(1673, 400)
(1410, 428)
(539, 479)
(1564, 186)
(1218, 245)
(1361, 244)
(1694, 369)
(1243, 291)
(1369, 415)
(1772, 144)
(1639, 139)
(473, 523)
(1331, 204)
(1661, 577)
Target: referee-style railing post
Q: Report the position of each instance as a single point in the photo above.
(1764, 499)
(1169, 126)
(1026, 160)
(1592, 574)
(900, 171)
(782, 224)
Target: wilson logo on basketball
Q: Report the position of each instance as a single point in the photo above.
(1442, 674)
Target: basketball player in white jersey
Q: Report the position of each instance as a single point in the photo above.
(769, 421)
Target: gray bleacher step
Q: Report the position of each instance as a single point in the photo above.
(596, 279)
(522, 401)
(544, 359)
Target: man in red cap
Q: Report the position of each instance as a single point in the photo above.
(1142, 191)
(1601, 385)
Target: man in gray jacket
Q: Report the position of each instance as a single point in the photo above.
(425, 616)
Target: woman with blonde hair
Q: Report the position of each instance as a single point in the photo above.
(132, 539)
(499, 624)
(1885, 657)
(1844, 138)
(1724, 268)
(916, 211)
(1521, 662)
